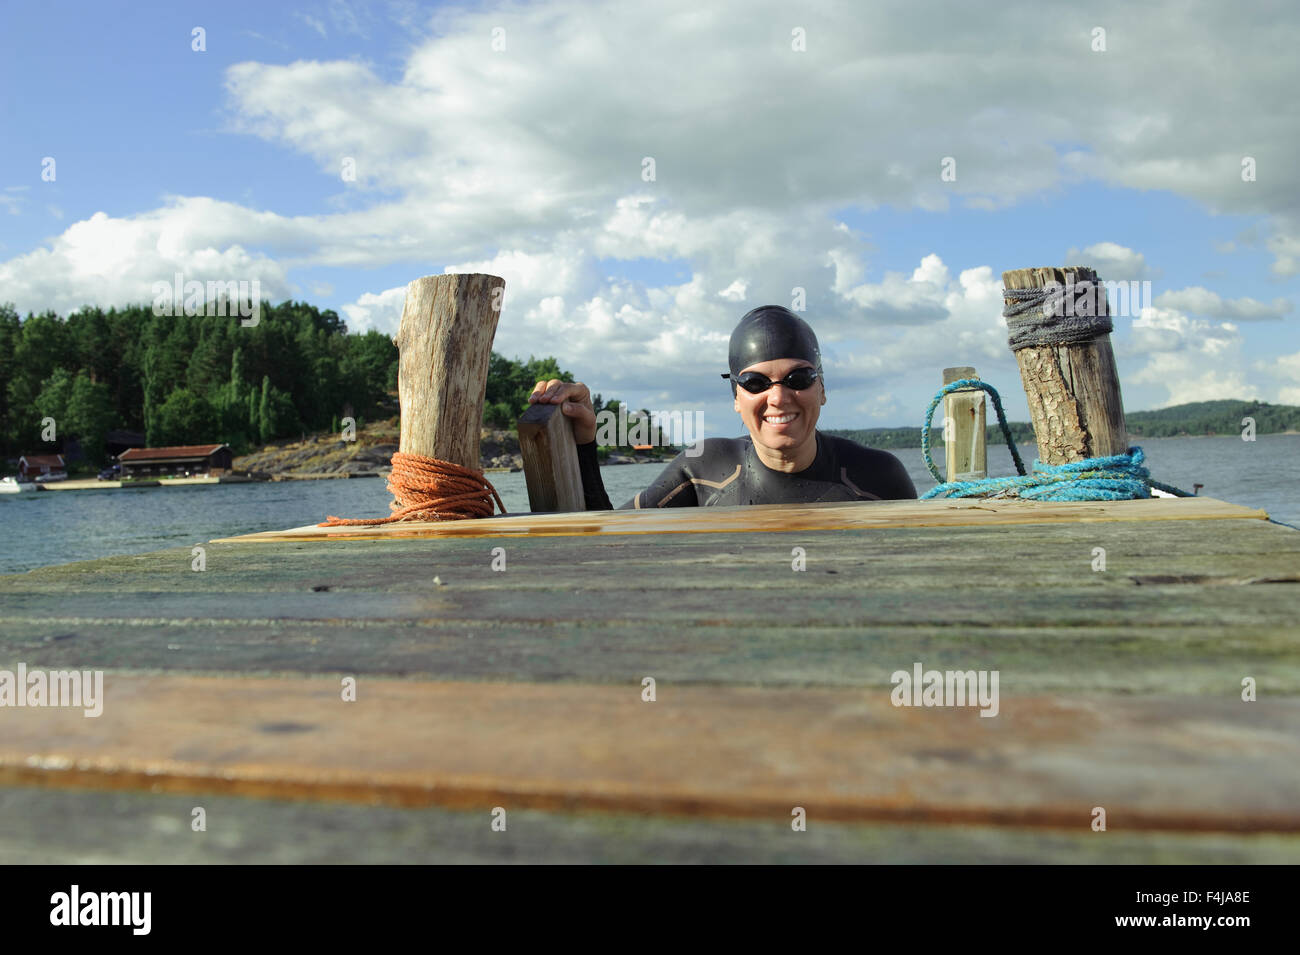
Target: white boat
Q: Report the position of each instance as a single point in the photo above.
(11, 485)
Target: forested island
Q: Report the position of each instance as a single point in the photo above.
(1198, 418)
(197, 379)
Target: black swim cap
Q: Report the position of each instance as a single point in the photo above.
(770, 332)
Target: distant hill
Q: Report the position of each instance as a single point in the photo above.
(1195, 418)
(1213, 417)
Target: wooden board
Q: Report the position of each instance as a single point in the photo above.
(1188, 610)
(550, 459)
(445, 344)
(842, 755)
(1183, 611)
(1073, 390)
(782, 518)
(132, 827)
(965, 453)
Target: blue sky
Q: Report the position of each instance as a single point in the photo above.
(776, 167)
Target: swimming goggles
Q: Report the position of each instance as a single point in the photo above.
(756, 383)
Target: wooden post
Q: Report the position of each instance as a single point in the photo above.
(1073, 390)
(550, 460)
(445, 340)
(964, 445)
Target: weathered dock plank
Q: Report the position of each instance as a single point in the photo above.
(1154, 646)
(67, 827)
(842, 755)
(1174, 613)
(768, 518)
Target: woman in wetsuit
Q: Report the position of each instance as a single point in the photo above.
(776, 378)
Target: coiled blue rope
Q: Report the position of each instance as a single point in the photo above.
(1119, 477)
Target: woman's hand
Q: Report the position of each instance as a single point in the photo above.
(575, 403)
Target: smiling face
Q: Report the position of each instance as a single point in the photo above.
(782, 422)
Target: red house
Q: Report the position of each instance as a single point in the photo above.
(32, 466)
(179, 461)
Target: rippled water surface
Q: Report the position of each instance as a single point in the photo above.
(41, 528)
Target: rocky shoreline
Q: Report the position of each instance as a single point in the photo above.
(325, 456)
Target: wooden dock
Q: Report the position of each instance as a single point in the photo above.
(501, 664)
(93, 484)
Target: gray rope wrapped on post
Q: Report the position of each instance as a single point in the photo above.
(1059, 328)
(1056, 314)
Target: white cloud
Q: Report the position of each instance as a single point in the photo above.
(1113, 262)
(382, 312)
(473, 126)
(347, 17)
(1192, 359)
(12, 198)
(898, 301)
(1286, 369)
(1289, 365)
(964, 326)
(880, 406)
(485, 150)
(735, 292)
(527, 163)
(1201, 301)
(108, 261)
(546, 273)
(1286, 250)
(312, 22)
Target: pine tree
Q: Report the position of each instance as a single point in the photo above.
(89, 415)
(265, 426)
(236, 374)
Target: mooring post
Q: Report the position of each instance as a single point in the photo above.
(964, 428)
(1073, 388)
(445, 345)
(550, 460)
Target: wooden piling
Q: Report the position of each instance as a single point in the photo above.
(964, 439)
(1073, 390)
(550, 456)
(445, 340)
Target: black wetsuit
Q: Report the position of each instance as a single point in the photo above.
(729, 472)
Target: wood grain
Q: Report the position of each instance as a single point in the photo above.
(1074, 396)
(770, 518)
(843, 755)
(1186, 611)
(550, 460)
(133, 827)
(445, 343)
(965, 453)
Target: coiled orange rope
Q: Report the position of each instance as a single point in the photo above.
(427, 489)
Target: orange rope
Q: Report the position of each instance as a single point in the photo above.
(427, 489)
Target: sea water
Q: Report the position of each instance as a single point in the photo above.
(54, 527)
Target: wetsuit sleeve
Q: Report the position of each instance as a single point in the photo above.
(672, 488)
(874, 471)
(897, 482)
(593, 486)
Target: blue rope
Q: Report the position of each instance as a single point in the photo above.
(1119, 477)
(997, 406)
